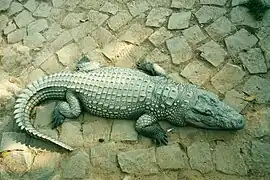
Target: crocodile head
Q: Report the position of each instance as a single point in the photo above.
(208, 112)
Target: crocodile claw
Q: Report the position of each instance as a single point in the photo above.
(57, 119)
(162, 138)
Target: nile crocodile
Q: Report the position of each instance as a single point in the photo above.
(144, 94)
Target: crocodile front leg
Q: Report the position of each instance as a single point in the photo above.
(85, 65)
(66, 109)
(150, 68)
(148, 126)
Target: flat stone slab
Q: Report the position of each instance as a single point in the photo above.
(3, 21)
(82, 30)
(52, 32)
(214, 2)
(136, 34)
(23, 18)
(37, 26)
(124, 131)
(72, 20)
(4, 4)
(254, 61)
(16, 36)
(213, 53)
(260, 156)
(179, 20)
(119, 20)
(200, 157)
(75, 166)
(140, 161)
(241, 40)
(137, 7)
(171, 157)
(258, 87)
(44, 115)
(13, 141)
(68, 54)
(227, 158)
(194, 34)
(235, 100)
(61, 40)
(157, 17)
(227, 77)
(159, 3)
(109, 8)
(34, 40)
(179, 49)
(206, 14)
(87, 44)
(196, 72)
(31, 5)
(51, 65)
(186, 4)
(43, 10)
(97, 18)
(220, 28)
(157, 56)
(15, 7)
(238, 2)
(240, 16)
(10, 27)
(159, 36)
(102, 36)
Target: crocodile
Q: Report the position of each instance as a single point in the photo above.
(144, 94)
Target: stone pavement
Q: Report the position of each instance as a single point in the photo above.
(216, 44)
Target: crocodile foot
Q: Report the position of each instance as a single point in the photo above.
(85, 65)
(150, 68)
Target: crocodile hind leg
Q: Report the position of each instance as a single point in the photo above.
(66, 109)
(150, 68)
(85, 65)
(148, 126)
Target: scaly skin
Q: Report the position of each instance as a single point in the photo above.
(121, 93)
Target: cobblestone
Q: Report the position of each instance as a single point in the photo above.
(51, 65)
(12, 141)
(61, 40)
(31, 5)
(196, 72)
(74, 139)
(241, 40)
(179, 20)
(10, 27)
(34, 40)
(4, 4)
(227, 77)
(220, 28)
(137, 7)
(157, 56)
(16, 35)
(68, 54)
(82, 30)
(260, 156)
(37, 26)
(43, 10)
(187, 4)
(214, 2)
(23, 18)
(159, 36)
(52, 32)
(136, 34)
(109, 8)
(194, 34)
(235, 100)
(254, 61)
(72, 20)
(213, 53)
(102, 36)
(119, 20)
(58, 3)
(3, 22)
(179, 49)
(159, 3)
(87, 44)
(207, 14)
(15, 7)
(157, 17)
(97, 18)
(241, 16)
(123, 131)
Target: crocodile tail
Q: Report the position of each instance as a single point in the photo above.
(47, 87)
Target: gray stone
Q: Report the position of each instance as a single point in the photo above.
(3, 21)
(68, 54)
(214, 2)
(31, 5)
(208, 14)
(102, 36)
(240, 16)
(87, 44)
(123, 131)
(15, 7)
(57, 3)
(159, 36)
(196, 72)
(140, 161)
(34, 40)
(194, 34)
(4, 4)
(187, 4)
(227, 77)
(266, 20)
(137, 7)
(43, 10)
(238, 2)
(35, 74)
(264, 43)
(44, 115)
(260, 156)
(10, 27)
(16, 36)
(23, 18)
(227, 158)
(52, 32)
(109, 8)
(157, 56)
(61, 40)
(86, 4)
(258, 87)
(179, 20)
(263, 32)
(235, 100)
(37, 26)
(82, 30)
(159, 3)
(76, 166)
(74, 139)
(72, 20)
(97, 18)
(200, 157)
(95, 128)
(254, 61)
(179, 49)
(220, 28)
(157, 17)
(104, 157)
(171, 157)
(51, 65)
(119, 20)
(241, 40)
(13, 141)
(136, 34)
(176, 77)
(70, 5)
(213, 53)
(57, 15)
